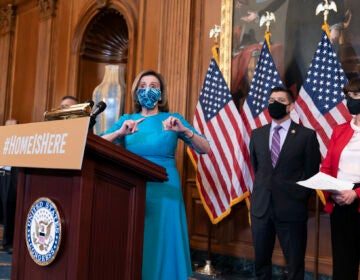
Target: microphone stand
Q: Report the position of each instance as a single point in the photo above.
(100, 107)
(92, 122)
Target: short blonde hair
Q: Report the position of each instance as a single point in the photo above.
(163, 104)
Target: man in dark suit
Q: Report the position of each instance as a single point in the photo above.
(278, 205)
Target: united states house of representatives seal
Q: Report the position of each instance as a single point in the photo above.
(43, 231)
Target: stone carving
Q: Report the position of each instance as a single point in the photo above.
(47, 8)
(7, 18)
(102, 3)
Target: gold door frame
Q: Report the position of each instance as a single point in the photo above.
(226, 38)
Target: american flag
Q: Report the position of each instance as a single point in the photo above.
(254, 112)
(320, 104)
(221, 174)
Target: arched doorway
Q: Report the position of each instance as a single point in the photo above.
(105, 41)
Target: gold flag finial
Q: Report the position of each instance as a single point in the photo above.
(214, 33)
(325, 8)
(266, 19)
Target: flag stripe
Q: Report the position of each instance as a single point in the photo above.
(233, 156)
(215, 197)
(309, 119)
(211, 198)
(320, 104)
(219, 163)
(208, 164)
(220, 174)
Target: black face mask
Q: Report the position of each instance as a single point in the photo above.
(353, 105)
(277, 110)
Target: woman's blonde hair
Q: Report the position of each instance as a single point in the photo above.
(163, 104)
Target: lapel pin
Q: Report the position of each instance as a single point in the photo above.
(293, 131)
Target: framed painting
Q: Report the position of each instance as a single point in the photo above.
(295, 34)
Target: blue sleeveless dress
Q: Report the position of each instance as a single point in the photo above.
(166, 251)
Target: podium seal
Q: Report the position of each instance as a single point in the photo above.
(43, 231)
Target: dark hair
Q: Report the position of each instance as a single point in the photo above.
(353, 85)
(289, 93)
(70, 97)
(163, 104)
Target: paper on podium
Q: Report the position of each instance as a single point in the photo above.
(322, 181)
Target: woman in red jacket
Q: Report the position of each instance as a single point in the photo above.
(343, 161)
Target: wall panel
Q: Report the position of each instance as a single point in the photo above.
(169, 36)
(24, 64)
(7, 26)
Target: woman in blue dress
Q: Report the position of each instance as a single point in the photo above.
(152, 132)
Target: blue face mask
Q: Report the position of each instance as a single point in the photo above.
(148, 97)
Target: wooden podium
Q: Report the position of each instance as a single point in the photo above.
(102, 209)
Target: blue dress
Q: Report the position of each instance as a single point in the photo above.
(166, 251)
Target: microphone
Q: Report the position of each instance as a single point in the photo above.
(99, 108)
(90, 102)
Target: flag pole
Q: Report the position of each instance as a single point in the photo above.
(324, 27)
(325, 9)
(317, 235)
(208, 269)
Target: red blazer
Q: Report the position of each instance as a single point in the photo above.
(340, 137)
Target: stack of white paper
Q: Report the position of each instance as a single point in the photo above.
(322, 181)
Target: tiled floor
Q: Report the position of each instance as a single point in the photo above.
(5, 265)
(232, 268)
(5, 261)
(227, 268)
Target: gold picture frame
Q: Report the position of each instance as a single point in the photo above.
(226, 38)
(347, 43)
